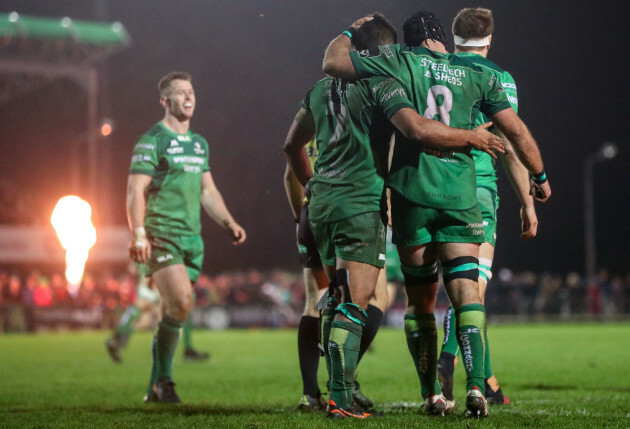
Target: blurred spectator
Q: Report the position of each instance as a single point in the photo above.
(60, 294)
(275, 298)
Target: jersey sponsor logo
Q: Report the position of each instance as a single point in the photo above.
(367, 53)
(145, 146)
(174, 143)
(442, 71)
(492, 80)
(164, 258)
(387, 51)
(391, 94)
(177, 149)
(375, 88)
(192, 169)
(443, 77)
(328, 174)
(508, 85)
(512, 100)
(187, 160)
(183, 138)
(198, 150)
(140, 158)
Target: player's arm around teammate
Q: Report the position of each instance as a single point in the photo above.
(413, 126)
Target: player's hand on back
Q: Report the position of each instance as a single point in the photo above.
(485, 141)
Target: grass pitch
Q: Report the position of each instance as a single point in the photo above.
(557, 376)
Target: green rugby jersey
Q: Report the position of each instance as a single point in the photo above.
(484, 163)
(442, 87)
(175, 163)
(352, 133)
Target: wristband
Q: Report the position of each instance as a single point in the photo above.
(139, 232)
(539, 178)
(349, 32)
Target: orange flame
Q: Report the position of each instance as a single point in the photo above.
(71, 220)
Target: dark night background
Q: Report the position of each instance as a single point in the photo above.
(253, 61)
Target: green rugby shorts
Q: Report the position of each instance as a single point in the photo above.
(359, 238)
(176, 249)
(414, 225)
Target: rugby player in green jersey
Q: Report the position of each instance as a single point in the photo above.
(315, 282)
(351, 122)
(472, 29)
(435, 214)
(169, 181)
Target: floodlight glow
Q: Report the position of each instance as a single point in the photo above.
(609, 150)
(71, 220)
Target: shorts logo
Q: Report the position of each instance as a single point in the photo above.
(164, 258)
(381, 257)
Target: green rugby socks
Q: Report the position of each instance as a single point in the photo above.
(421, 333)
(126, 325)
(471, 323)
(343, 347)
(167, 337)
(450, 344)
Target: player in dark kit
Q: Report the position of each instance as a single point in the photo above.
(351, 122)
(435, 214)
(169, 181)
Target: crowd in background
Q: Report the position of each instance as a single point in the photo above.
(39, 300)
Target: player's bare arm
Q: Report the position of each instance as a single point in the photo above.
(429, 132)
(295, 192)
(525, 148)
(139, 246)
(301, 132)
(337, 62)
(213, 204)
(519, 178)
